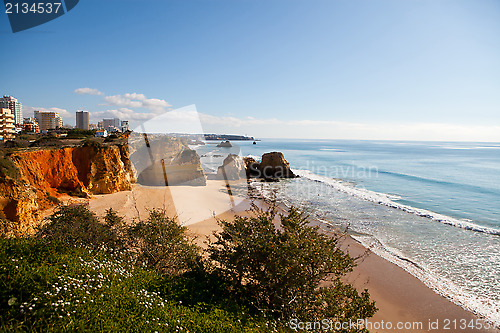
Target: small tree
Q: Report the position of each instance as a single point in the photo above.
(162, 243)
(282, 268)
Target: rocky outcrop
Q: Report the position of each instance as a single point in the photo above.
(271, 167)
(251, 167)
(232, 168)
(274, 165)
(43, 175)
(183, 169)
(226, 144)
(19, 209)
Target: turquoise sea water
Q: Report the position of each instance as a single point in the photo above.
(432, 208)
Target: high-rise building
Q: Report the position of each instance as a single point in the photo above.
(7, 128)
(82, 120)
(48, 120)
(111, 125)
(15, 107)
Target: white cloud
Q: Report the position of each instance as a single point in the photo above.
(29, 110)
(120, 100)
(87, 91)
(122, 113)
(134, 100)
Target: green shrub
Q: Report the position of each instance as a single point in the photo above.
(8, 167)
(162, 243)
(48, 140)
(78, 225)
(76, 133)
(93, 142)
(282, 268)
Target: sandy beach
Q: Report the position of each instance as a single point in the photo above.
(402, 300)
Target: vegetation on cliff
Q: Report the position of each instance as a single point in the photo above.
(83, 274)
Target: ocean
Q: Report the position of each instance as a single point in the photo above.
(432, 208)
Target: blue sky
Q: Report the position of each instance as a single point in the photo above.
(361, 69)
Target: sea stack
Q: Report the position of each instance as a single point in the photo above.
(272, 166)
(225, 144)
(233, 168)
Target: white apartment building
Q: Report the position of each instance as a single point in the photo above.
(7, 128)
(15, 107)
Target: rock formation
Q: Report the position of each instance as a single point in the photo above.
(226, 144)
(232, 168)
(183, 169)
(44, 174)
(252, 167)
(19, 209)
(274, 165)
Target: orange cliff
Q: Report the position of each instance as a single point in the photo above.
(47, 173)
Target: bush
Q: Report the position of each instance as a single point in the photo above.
(8, 167)
(16, 143)
(93, 142)
(47, 141)
(77, 225)
(282, 268)
(76, 133)
(163, 244)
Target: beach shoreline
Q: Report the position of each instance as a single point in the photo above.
(402, 299)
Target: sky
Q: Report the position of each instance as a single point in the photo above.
(315, 69)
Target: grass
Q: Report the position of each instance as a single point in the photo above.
(57, 287)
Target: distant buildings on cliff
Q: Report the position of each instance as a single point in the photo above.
(109, 125)
(7, 128)
(11, 114)
(15, 107)
(48, 120)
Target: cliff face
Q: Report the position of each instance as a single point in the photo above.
(19, 205)
(86, 170)
(44, 174)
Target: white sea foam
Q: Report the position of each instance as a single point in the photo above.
(481, 306)
(387, 200)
